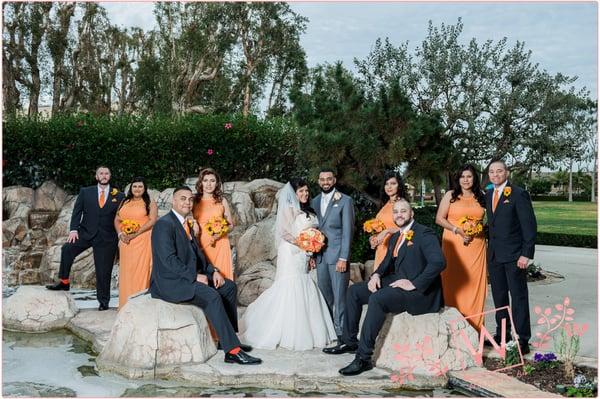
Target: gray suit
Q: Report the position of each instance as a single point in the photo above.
(338, 226)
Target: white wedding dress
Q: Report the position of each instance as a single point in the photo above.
(292, 313)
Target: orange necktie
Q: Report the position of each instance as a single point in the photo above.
(397, 247)
(186, 227)
(102, 200)
(495, 200)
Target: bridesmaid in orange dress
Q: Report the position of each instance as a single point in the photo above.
(464, 280)
(393, 189)
(209, 202)
(135, 253)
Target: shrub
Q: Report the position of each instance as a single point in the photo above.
(165, 150)
(566, 240)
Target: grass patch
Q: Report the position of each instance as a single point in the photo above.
(566, 217)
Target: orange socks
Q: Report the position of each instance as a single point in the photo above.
(235, 350)
(64, 280)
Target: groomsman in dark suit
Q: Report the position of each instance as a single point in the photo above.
(181, 273)
(511, 244)
(408, 280)
(92, 225)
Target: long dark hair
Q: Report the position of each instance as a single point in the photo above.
(457, 190)
(298, 182)
(392, 174)
(218, 193)
(145, 195)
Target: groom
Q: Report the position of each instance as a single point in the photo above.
(180, 273)
(335, 212)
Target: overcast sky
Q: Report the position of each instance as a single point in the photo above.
(563, 37)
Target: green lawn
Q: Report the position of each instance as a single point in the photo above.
(566, 217)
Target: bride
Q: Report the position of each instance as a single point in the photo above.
(292, 313)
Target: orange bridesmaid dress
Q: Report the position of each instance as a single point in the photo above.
(385, 215)
(464, 280)
(218, 255)
(135, 258)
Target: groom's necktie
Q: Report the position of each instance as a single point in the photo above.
(186, 227)
(102, 199)
(495, 200)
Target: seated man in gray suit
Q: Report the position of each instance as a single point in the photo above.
(408, 280)
(180, 273)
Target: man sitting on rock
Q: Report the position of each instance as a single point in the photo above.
(408, 280)
(180, 273)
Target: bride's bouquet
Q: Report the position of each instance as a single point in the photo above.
(311, 240)
(217, 227)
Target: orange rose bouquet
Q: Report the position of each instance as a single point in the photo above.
(311, 240)
(471, 226)
(217, 227)
(373, 226)
(129, 226)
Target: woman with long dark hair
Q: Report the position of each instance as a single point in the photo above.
(209, 203)
(393, 188)
(292, 313)
(464, 280)
(135, 252)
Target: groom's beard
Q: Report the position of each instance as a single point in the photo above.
(330, 189)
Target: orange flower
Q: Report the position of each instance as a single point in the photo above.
(373, 226)
(507, 191)
(311, 240)
(129, 226)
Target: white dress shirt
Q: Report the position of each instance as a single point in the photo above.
(325, 199)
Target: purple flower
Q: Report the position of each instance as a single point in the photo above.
(538, 357)
(549, 357)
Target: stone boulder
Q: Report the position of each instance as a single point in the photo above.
(36, 309)
(60, 228)
(427, 344)
(17, 201)
(356, 270)
(257, 244)
(231, 186)
(368, 269)
(83, 273)
(152, 337)
(49, 197)
(164, 200)
(263, 192)
(14, 231)
(242, 209)
(254, 281)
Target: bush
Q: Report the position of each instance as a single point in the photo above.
(552, 198)
(566, 240)
(165, 150)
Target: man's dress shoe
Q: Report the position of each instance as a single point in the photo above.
(60, 286)
(241, 358)
(357, 366)
(340, 348)
(102, 307)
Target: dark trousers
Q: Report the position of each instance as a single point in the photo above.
(385, 300)
(220, 307)
(507, 278)
(104, 257)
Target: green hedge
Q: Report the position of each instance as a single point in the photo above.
(566, 240)
(551, 198)
(164, 150)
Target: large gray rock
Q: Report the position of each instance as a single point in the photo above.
(60, 228)
(231, 186)
(164, 201)
(263, 192)
(36, 309)
(257, 244)
(14, 231)
(426, 345)
(356, 270)
(83, 273)
(49, 197)
(242, 208)
(17, 201)
(252, 282)
(151, 337)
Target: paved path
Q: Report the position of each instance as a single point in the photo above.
(579, 266)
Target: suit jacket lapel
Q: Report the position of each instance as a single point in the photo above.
(180, 228)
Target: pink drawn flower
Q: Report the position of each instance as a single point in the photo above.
(228, 125)
(210, 151)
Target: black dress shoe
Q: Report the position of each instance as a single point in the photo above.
(524, 348)
(102, 307)
(357, 366)
(60, 286)
(245, 348)
(241, 358)
(340, 348)
(488, 344)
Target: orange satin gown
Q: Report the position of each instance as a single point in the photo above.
(464, 280)
(135, 258)
(218, 255)
(385, 215)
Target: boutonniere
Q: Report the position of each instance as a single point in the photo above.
(506, 193)
(114, 200)
(408, 236)
(190, 224)
(337, 196)
(114, 192)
